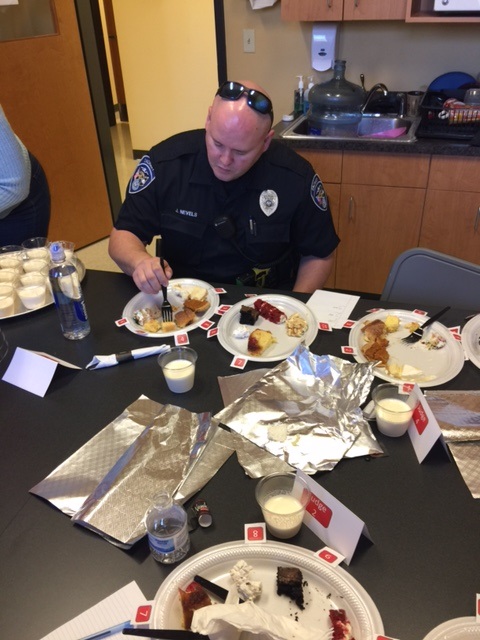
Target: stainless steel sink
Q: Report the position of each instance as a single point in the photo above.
(372, 127)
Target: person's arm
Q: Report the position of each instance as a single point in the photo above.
(131, 256)
(312, 273)
(14, 168)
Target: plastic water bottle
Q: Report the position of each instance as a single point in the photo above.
(68, 295)
(167, 528)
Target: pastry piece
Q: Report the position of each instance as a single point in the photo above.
(184, 318)
(248, 315)
(376, 351)
(269, 312)
(168, 326)
(152, 325)
(289, 583)
(342, 629)
(194, 597)
(296, 325)
(259, 341)
(374, 329)
(198, 306)
(148, 313)
(392, 324)
(197, 293)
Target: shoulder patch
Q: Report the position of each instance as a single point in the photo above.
(143, 176)
(318, 194)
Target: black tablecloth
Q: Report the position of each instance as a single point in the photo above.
(421, 569)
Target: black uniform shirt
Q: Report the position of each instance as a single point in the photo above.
(277, 206)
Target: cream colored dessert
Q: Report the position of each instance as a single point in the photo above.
(296, 325)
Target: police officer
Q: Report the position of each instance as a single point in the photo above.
(231, 204)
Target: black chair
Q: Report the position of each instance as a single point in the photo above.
(426, 277)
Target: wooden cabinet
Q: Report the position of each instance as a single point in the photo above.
(376, 201)
(451, 219)
(381, 204)
(374, 9)
(325, 10)
(384, 203)
(312, 10)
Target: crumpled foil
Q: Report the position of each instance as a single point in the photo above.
(109, 483)
(306, 411)
(458, 415)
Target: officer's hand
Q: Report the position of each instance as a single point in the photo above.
(149, 275)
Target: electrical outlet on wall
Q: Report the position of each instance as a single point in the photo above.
(249, 40)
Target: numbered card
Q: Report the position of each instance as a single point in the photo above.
(143, 614)
(255, 532)
(330, 556)
(239, 362)
(478, 609)
(331, 521)
(181, 339)
(424, 430)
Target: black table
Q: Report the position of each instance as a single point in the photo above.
(423, 565)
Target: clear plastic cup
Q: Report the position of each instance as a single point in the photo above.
(283, 498)
(393, 409)
(32, 278)
(178, 366)
(36, 264)
(7, 299)
(11, 261)
(33, 296)
(9, 276)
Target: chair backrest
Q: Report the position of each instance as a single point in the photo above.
(423, 276)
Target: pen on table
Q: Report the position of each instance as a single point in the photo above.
(105, 633)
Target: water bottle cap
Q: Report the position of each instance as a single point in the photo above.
(57, 252)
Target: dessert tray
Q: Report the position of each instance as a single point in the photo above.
(325, 587)
(457, 629)
(434, 366)
(20, 310)
(471, 340)
(284, 345)
(145, 300)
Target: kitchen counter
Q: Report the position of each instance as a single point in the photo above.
(422, 146)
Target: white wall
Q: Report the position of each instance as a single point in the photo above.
(403, 56)
(169, 65)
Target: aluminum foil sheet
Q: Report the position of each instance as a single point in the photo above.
(306, 411)
(109, 483)
(458, 414)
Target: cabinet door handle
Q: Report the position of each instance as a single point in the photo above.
(329, 3)
(357, 2)
(351, 209)
(477, 218)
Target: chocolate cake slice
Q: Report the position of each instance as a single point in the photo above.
(248, 315)
(289, 583)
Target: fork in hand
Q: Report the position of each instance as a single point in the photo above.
(417, 335)
(167, 315)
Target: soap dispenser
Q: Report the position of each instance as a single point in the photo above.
(298, 98)
(306, 101)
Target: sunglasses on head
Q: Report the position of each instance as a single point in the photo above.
(256, 100)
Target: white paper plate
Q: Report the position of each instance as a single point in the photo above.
(327, 587)
(284, 345)
(457, 629)
(142, 300)
(471, 340)
(20, 310)
(440, 364)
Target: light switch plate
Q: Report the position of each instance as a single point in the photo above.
(249, 40)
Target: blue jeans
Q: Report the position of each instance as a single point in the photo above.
(31, 217)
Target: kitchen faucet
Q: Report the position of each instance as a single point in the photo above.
(376, 87)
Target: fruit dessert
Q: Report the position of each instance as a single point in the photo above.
(269, 312)
(342, 629)
(290, 584)
(259, 341)
(194, 597)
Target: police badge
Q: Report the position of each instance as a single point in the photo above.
(268, 202)
(143, 176)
